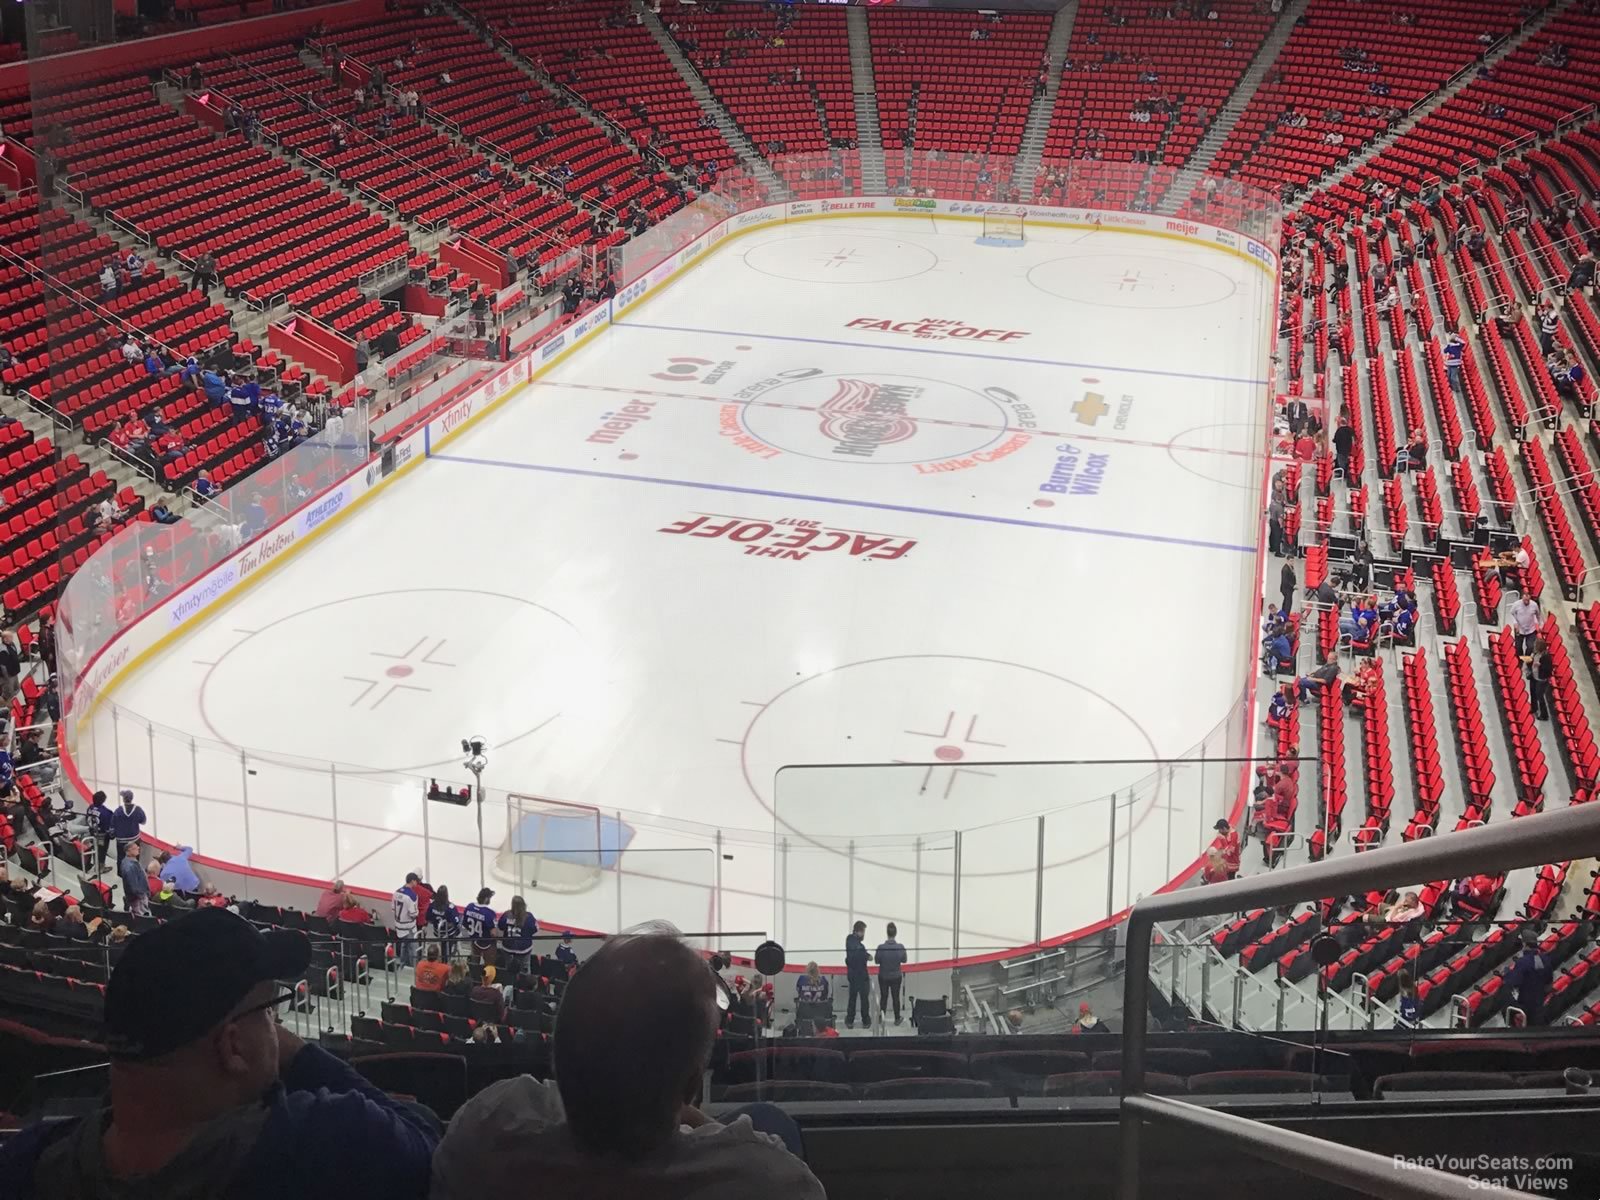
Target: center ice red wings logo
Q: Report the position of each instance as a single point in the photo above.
(866, 415)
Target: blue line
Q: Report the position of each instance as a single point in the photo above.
(994, 358)
(901, 508)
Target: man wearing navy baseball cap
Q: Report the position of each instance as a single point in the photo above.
(210, 1097)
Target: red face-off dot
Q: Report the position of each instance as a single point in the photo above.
(1044, 503)
(398, 671)
(949, 753)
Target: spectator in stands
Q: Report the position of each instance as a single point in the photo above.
(175, 869)
(403, 908)
(478, 922)
(1582, 275)
(352, 913)
(446, 921)
(1277, 513)
(40, 918)
(126, 821)
(210, 1096)
(215, 386)
(565, 953)
(155, 365)
(203, 274)
(1213, 869)
(1541, 667)
(1549, 323)
(71, 925)
(255, 517)
(1408, 1002)
(1279, 707)
(132, 351)
(630, 1052)
(1325, 676)
(99, 823)
(1530, 976)
(135, 885)
(855, 964)
(134, 264)
(1473, 894)
(1088, 1022)
(813, 987)
(891, 960)
(10, 667)
(1414, 455)
(108, 280)
(1277, 650)
(1362, 620)
(1454, 351)
(1568, 377)
(1226, 843)
(203, 487)
(431, 973)
(487, 991)
(1344, 440)
(1407, 908)
(517, 927)
(1515, 559)
(1525, 621)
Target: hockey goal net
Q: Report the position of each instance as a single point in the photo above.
(1003, 226)
(553, 845)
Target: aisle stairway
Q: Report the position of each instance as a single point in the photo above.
(749, 157)
(1043, 108)
(1188, 179)
(869, 134)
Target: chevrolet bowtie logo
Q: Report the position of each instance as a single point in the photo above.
(1091, 408)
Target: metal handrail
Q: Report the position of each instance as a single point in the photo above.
(1572, 832)
(1347, 1166)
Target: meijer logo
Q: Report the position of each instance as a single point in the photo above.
(1188, 229)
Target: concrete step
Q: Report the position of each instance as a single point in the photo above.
(748, 154)
(1199, 162)
(864, 85)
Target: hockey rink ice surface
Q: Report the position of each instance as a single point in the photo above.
(852, 491)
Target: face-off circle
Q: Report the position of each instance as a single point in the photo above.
(876, 418)
(847, 258)
(402, 671)
(1131, 281)
(952, 717)
(1195, 451)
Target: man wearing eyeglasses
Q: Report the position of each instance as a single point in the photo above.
(210, 1097)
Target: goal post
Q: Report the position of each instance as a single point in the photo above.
(555, 845)
(1003, 228)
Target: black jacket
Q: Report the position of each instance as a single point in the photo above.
(855, 957)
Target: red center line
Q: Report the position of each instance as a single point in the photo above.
(1074, 435)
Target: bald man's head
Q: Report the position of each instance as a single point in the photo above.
(632, 1039)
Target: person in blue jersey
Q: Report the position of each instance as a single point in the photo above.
(477, 922)
(517, 928)
(446, 921)
(565, 954)
(126, 821)
(1455, 350)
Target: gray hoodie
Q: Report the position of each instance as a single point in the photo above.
(891, 957)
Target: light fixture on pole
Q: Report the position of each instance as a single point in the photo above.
(475, 748)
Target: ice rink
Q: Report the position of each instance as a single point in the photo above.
(851, 491)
